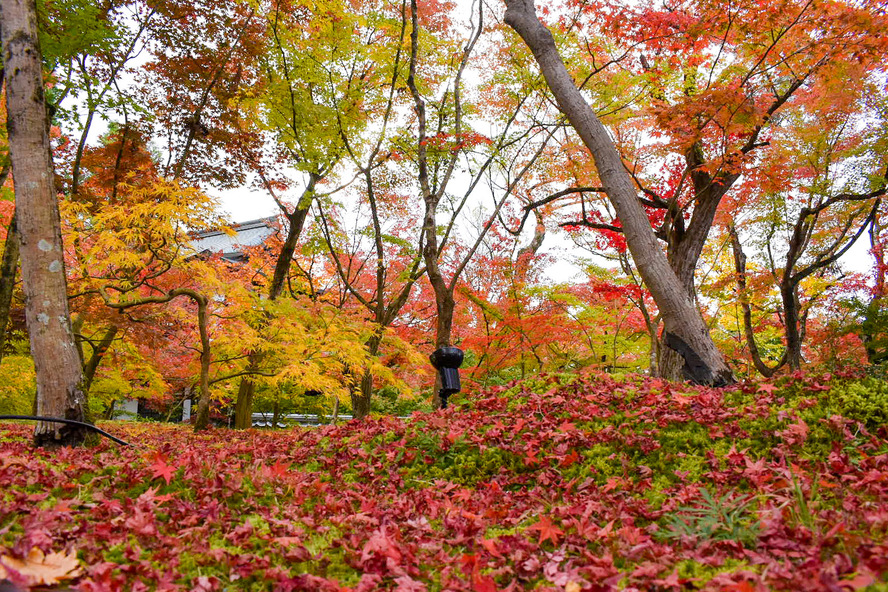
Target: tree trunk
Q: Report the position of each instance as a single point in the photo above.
(686, 242)
(335, 418)
(276, 413)
(791, 320)
(361, 396)
(57, 364)
(243, 408)
(686, 330)
(203, 405)
(8, 269)
(91, 365)
(873, 326)
(740, 268)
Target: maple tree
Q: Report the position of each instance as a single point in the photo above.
(807, 224)
(691, 338)
(395, 272)
(135, 255)
(305, 101)
(707, 83)
(444, 141)
(517, 325)
(195, 85)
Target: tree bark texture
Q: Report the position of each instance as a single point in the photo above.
(361, 396)
(56, 361)
(243, 406)
(703, 362)
(686, 242)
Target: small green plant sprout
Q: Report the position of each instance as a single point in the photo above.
(725, 518)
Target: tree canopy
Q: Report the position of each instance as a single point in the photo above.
(686, 190)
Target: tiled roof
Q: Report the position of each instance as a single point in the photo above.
(248, 234)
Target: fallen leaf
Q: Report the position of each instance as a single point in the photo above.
(160, 468)
(44, 570)
(547, 530)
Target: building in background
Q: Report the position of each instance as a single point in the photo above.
(246, 234)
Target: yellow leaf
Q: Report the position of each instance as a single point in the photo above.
(43, 570)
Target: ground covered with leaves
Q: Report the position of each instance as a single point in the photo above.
(553, 484)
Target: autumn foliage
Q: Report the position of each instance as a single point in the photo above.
(427, 190)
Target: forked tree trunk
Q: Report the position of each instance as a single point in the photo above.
(686, 330)
(56, 361)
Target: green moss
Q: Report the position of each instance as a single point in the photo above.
(865, 401)
(701, 574)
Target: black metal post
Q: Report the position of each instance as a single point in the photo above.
(447, 361)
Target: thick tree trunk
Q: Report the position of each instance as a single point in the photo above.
(687, 331)
(243, 407)
(8, 269)
(361, 396)
(57, 363)
(686, 242)
(791, 320)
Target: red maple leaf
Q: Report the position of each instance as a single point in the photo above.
(161, 468)
(142, 522)
(483, 584)
(744, 586)
(570, 459)
(490, 545)
(548, 531)
(278, 469)
(530, 457)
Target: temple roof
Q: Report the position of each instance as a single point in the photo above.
(247, 234)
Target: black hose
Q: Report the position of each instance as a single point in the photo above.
(69, 422)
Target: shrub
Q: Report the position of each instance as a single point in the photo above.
(17, 385)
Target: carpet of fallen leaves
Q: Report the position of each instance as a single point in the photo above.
(552, 484)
